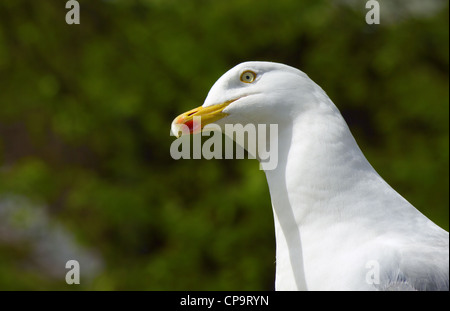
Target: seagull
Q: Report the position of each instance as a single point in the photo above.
(338, 224)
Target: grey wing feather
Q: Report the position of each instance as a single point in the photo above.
(423, 267)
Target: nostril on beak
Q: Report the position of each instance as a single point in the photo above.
(192, 113)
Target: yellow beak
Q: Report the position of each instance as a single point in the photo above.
(206, 116)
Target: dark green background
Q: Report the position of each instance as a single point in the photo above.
(85, 113)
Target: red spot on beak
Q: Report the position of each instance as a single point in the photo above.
(190, 125)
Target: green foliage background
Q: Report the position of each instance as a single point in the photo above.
(85, 113)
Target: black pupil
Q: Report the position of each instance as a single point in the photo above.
(247, 77)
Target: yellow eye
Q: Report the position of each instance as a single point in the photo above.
(248, 76)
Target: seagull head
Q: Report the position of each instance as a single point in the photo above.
(251, 92)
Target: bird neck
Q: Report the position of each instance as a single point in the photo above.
(315, 157)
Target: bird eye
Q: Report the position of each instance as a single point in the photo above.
(248, 76)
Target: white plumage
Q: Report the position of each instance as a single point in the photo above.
(338, 224)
